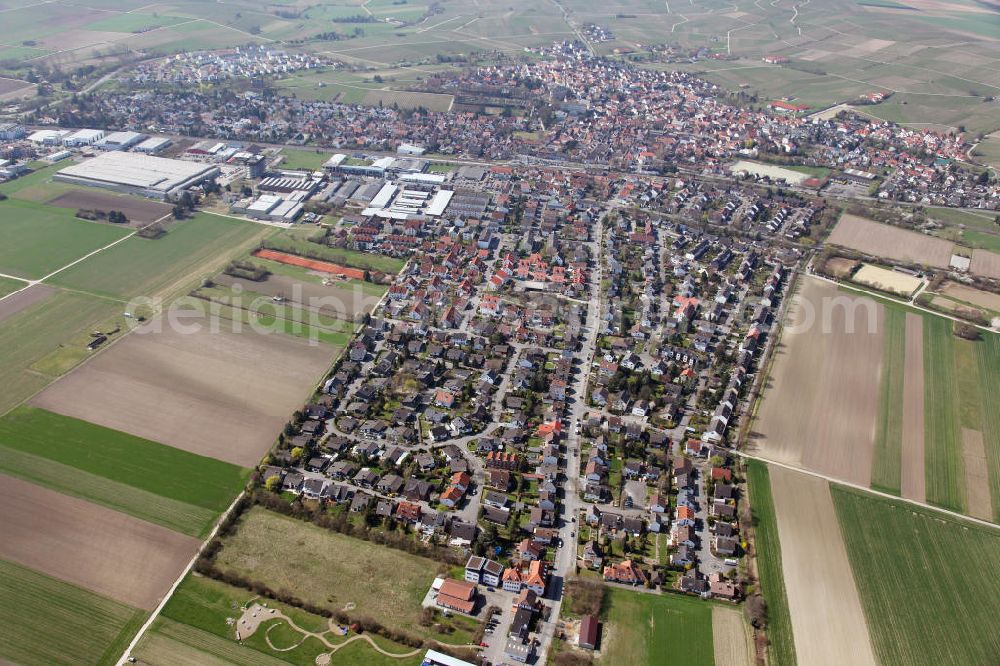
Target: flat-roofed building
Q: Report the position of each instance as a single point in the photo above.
(134, 173)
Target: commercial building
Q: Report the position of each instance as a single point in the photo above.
(154, 145)
(84, 137)
(435, 658)
(12, 132)
(134, 173)
(120, 140)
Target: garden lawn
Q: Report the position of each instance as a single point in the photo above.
(656, 629)
(887, 456)
(40, 239)
(144, 266)
(46, 621)
(929, 583)
(772, 578)
(146, 469)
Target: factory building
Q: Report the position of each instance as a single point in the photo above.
(134, 173)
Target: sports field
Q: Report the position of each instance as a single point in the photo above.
(148, 480)
(310, 160)
(40, 239)
(767, 546)
(190, 249)
(647, 629)
(929, 583)
(340, 570)
(46, 621)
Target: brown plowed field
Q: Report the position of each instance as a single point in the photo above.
(828, 622)
(22, 300)
(311, 264)
(221, 394)
(821, 399)
(883, 240)
(912, 479)
(985, 263)
(138, 211)
(731, 638)
(107, 552)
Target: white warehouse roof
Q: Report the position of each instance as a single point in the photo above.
(157, 174)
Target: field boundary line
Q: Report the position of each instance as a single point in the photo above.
(173, 588)
(878, 493)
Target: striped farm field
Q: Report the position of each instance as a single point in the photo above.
(889, 425)
(988, 362)
(928, 583)
(151, 481)
(46, 621)
(781, 648)
(945, 483)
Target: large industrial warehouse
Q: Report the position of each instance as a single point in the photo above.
(132, 173)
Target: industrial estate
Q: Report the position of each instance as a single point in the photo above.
(446, 333)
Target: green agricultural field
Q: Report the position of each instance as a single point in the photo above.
(928, 583)
(987, 354)
(647, 629)
(945, 471)
(133, 22)
(46, 621)
(195, 621)
(340, 570)
(191, 249)
(35, 179)
(30, 339)
(287, 326)
(153, 469)
(781, 648)
(9, 285)
(889, 428)
(309, 160)
(295, 243)
(40, 239)
(304, 275)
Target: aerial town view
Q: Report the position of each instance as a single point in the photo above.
(498, 332)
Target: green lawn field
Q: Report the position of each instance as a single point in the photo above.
(928, 583)
(30, 338)
(647, 629)
(155, 469)
(39, 239)
(142, 266)
(195, 619)
(133, 22)
(295, 243)
(310, 160)
(46, 621)
(9, 285)
(943, 455)
(772, 578)
(889, 428)
(339, 570)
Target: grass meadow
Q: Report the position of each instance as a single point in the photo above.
(145, 266)
(39, 239)
(943, 459)
(142, 469)
(46, 621)
(296, 244)
(772, 579)
(665, 629)
(340, 570)
(928, 583)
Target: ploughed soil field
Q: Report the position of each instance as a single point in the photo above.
(222, 394)
(104, 551)
(343, 302)
(23, 300)
(883, 240)
(821, 401)
(138, 211)
(828, 621)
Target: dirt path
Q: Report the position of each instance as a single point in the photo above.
(731, 638)
(912, 479)
(256, 615)
(827, 619)
(977, 483)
